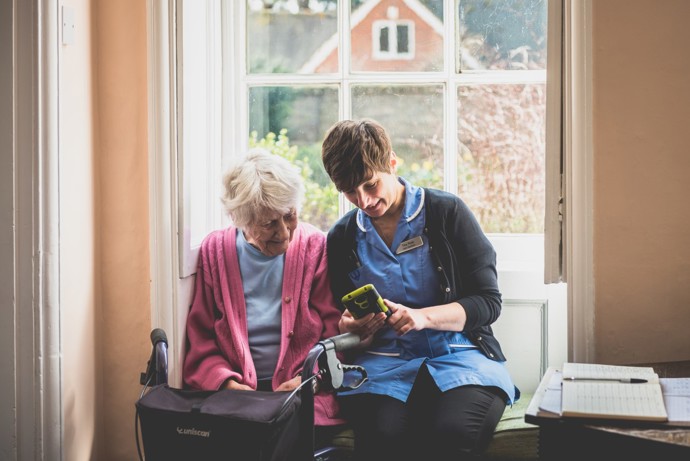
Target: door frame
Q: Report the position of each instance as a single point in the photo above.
(32, 394)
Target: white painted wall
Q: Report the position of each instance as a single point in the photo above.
(79, 269)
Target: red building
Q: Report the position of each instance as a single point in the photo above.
(387, 35)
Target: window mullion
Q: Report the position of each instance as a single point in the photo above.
(242, 101)
(450, 142)
(553, 224)
(215, 104)
(344, 34)
(344, 93)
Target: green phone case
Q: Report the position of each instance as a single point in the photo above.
(364, 300)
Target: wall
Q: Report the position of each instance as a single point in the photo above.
(641, 213)
(120, 68)
(79, 274)
(104, 235)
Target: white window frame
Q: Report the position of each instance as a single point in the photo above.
(166, 287)
(392, 53)
(578, 159)
(200, 135)
(170, 290)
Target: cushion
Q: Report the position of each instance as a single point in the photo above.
(514, 439)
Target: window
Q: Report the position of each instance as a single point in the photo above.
(393, 40)
(466, 108)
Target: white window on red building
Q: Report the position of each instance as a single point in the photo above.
(393, 40)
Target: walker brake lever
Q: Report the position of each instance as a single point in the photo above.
(362, 372)
(332, 372)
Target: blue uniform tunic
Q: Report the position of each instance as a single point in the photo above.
(409, 278)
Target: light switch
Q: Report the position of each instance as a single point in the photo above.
(67, 25)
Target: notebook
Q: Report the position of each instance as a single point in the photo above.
(612, 392)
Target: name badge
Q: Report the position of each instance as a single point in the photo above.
(408, 245)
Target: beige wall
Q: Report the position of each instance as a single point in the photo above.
(641, 188)
(104, 235)
(120, 65)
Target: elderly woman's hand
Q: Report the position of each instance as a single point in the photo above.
(232, 384)
(291, 384)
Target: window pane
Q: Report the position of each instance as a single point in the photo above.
(501, 155)
(283, 37)
(383, 39)
(403, 40)
(199, 77)
(291, 122)
(505, 34)
(419, 46)
(413, 117)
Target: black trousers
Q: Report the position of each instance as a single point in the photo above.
(431, 425)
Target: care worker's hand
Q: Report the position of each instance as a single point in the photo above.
(365, 327)
(404, 319)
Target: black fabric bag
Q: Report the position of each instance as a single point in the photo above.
(181, 424)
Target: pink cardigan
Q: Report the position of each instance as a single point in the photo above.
(217, 339)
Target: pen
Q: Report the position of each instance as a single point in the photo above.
(620, 380)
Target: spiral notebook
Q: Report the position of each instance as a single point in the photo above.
(612, 392)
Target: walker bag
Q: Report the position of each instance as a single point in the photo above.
(218, 425)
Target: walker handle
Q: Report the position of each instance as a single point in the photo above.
(342, 342)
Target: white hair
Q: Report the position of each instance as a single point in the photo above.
(258, 183)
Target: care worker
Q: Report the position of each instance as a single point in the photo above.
(437, 384)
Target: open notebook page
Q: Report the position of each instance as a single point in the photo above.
(597, 371)
(613, 400)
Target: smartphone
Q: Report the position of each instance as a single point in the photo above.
(363, 301)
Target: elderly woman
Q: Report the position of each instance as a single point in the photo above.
(262, 292)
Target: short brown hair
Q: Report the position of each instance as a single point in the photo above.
(353, 150)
